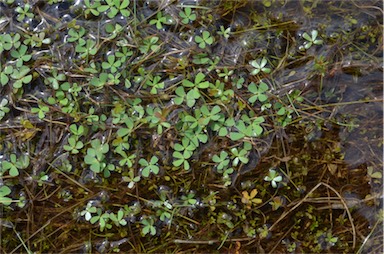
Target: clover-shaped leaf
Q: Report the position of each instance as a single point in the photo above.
(273, 177)
(187, 15)
(311, 39)
(5, 191)
(258, 91)
(204, 39)
(260, 66)
(149, 166)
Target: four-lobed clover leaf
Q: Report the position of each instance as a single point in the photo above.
(199, 83)
(77, 35)
(258, 92)
(159, 21)
(113, 7)
(204, 39)
(5, 42)
(273, 177)
(88, 211)
(73, 145)
(96, 155)
(41, 110)
(24, 12)
(149, 166)
(86, 48)
(148, 226)
(118, 218)
(260, 66)
(20, 76)
(311, 39)
(187, 15)
(14, 164)
(21, 55)
(112, 63)
(222, 160)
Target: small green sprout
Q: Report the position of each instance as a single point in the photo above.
(118, 218)
(311, 39)
(148, 226)
(189, 199)
(21, 55)
(204, 39)
(55, 79)
(157, 119)
(102, 218)
(124, 54)
(199, 82)
(112, 63)
(36, 40)
(259, 66)
(330, 239)
(180, 95)
(240, 155)
(24, 12)
(273, 177)
(5, 42)
(8, 1)
(258, 92)
(182, 153)
(222, 161)
(163, 214)
(5, 191)
(122, 132)
(78, 131)
(159, 21)
(14, 164)
(284, 113)
(127, 160)
(113, 30)
(113, 7)
(149, 166)
(375, 175)
(76, 35)
(225, 32)
(73, 145)
(131, 179)
(154, 84)
(3, 109)
(86, 48)
(187, 15)
(88, 211)
(96, 155)
(91, 8)
(41, 110)
(225, 73)
(201, 58)
(194, 93)
(222, 125)
(21, 76)
(247, 128)
(149, 44)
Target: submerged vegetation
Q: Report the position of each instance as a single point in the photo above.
(191, 126)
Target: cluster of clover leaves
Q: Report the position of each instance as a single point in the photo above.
(126, 115)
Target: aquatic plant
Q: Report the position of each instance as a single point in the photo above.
(162, 126)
